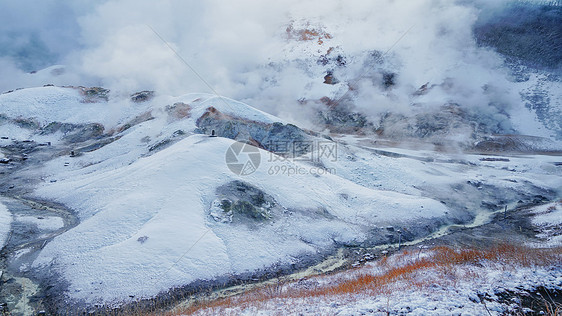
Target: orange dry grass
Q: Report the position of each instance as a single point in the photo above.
(403, 266)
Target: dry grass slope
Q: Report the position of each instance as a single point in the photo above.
(404, 268)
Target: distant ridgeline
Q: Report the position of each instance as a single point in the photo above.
(529, 31)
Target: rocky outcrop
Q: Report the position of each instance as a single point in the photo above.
(240, 202)
(339, 118)
(94, 94)
(178, 111)
(276, 137)
(74, 133)
(142, 96)
(516, 144)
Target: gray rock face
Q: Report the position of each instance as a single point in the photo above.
(272, 137)
(94, 94)
(516, 143)
(239, 202)
(338, 117)
(426, 125)
(142, 96)
(74, 133)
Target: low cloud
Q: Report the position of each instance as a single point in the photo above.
(245, 51)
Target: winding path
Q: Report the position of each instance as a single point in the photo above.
(26, 239)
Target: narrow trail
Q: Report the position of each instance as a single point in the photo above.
(18, 287)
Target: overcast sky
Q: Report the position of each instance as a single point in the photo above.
(242, 48)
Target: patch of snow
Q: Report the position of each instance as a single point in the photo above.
(548, 220)
(549, 214)
(50, 223)
(5, 224)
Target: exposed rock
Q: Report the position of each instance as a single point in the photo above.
(338, 117)
(142, 96)
(276, 137)
(515, 143)
(94, 94)
(330, 79)
(388, 79)
(176, 136)
(146, 116)
(494, 159)
(54, 127)
(249, 210)
(526, 32)
(307, 33)
(440, 126)
(221, 210)
(424, 89)
(239, 202)
(97, 145)
(74, 133)
(331, 58)
(27, 123)
(178, 111)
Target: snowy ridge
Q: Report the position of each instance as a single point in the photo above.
(165, 197)
(201, 102)
(53, 104)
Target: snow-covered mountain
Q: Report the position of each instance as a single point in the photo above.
(347, 125)
(160, 204)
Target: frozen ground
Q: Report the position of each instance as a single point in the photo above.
(148, 194)
(166, 198)
(42, 223)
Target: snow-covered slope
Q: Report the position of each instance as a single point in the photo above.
(166, 197)
(160, 208)
(56, 104)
